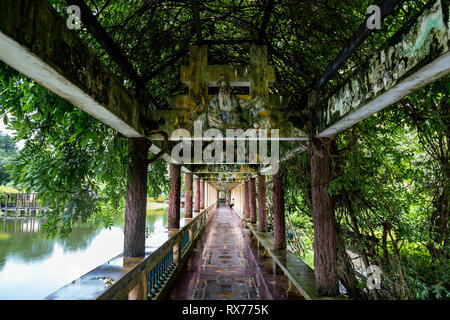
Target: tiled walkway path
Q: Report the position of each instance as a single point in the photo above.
(222, 265)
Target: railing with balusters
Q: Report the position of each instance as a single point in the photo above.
(159, 273)
(147, 277)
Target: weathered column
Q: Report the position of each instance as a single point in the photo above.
(325, 253)
(139, 292)
(174, 196)
(208, 191)
(202, 194)
(261, 203)
(279, 226)
(136, 198)
(246, 200)
(242, 198)
(252, 199)
(196, 195)
(188, 195)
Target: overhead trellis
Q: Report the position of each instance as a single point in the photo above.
(303, 38)
(148, 45)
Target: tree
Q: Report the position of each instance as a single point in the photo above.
(76, 164)
(390, 188)
(8, 151)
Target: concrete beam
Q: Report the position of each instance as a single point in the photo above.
(223, 185)
(413, 58)
(225, 176)
(217, 168)
(184, 111)
(35, 40)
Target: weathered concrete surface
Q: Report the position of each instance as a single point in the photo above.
(35, 40)
(412, 59)
(184, 112)
(198, 75)
(229, 176)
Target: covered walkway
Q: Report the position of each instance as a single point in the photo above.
(240, 95)
(225, 266)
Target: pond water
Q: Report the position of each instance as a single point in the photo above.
(32, 266)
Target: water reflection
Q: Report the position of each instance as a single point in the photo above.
(32, 266)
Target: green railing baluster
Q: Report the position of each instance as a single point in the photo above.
(154, 275)
(158, 277)
(165, 265)
(172, 265)
(151, 283)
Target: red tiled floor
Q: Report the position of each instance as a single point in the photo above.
(223, 266)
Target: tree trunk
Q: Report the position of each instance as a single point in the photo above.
(345, 271)
(261, 203)
(136, 198)
(252, 188)
(196, 195)
(202, 194)
(246, 200)
(325, 252)
(188, 195)
(279, 223)
(174, 196)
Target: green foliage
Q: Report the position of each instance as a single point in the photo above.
(298, 208)
(6, 189)
(76, 164)
(391, 192)
(158, 179)
(8, 151)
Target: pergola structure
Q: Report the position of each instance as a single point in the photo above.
(38, 43)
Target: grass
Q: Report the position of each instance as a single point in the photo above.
(156, 205)
(6, 189)
(309, 258)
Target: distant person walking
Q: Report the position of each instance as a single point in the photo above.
(232, 204)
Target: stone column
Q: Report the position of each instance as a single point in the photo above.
(242, 193)
(188, 195)
(325, 252)
(207, 195)
(196, 195)
(174, 196)
(136, 198)
(246, 200)
(252, 198)
(279, 224)
(139, 292)
(202, 194)
(261, 203)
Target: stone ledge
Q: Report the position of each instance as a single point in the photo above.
(300, 275)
